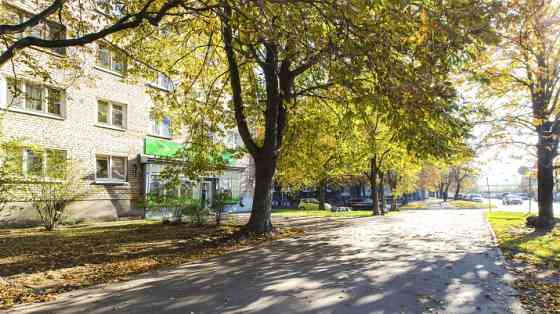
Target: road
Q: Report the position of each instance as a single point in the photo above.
(423, 261)
(526, 207)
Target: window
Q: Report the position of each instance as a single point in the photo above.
(111, 7)
(50, 163)
(35, 97)
(233, 139)
(161, 127)
(162, 81)
(44, 30)
(33, 162)
(110, 168)
(111, 113)
(54, 101)
(111, 59)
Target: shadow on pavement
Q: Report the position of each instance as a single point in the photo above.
(317, 274)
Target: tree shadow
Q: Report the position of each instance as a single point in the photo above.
(37, 251)
(345, 270)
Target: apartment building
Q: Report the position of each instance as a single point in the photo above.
(101, 120)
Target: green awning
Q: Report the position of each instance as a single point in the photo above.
(160, 147)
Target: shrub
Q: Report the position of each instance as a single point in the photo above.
(219, 205)
(197, 213)
(50, 197)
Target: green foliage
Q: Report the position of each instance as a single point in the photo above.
(308, 206)
(259, 65)
(174, 207)
(10, 170)
(50, 196)
(218, 206)
(197, 213)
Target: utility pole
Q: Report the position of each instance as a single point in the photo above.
(489, 195)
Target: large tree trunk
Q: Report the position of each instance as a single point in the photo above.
(545, 181)
(260, 220)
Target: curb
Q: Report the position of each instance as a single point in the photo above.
(516, 305)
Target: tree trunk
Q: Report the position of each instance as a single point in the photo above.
(457, 190)
(445, 192)
(545, 182)
(373, 184)
(322, 195)
(260, 221)
(381, 192)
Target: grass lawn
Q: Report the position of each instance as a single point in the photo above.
(321, 213)
(540, 251)
(469, 205)
(35, 265)
(523, 243)
(415, 205)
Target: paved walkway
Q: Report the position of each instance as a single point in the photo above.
(420, 261)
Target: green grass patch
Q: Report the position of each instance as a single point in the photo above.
(523, 244)
(519, 242)
(415, 205)
(319, 213)
(470, 205)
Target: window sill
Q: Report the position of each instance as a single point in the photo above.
(50, 52)
(161, 88)
(37, 113)
(111, 183)
(102, 69)
(110, 127)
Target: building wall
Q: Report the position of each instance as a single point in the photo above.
(79, 134)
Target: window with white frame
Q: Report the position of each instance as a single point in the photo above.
(162, 81)
(48, 30)
(111, 113)
(111, 59)
(48, 163)
(35, 97)
(110, 168)
(161, 127)
(233, 139)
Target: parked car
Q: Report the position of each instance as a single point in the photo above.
(512, 199)
(361, 203)
(475, 198)
(312, 204)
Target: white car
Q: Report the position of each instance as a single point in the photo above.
(476, 198)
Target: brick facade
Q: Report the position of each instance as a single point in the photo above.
(79, 133)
